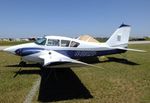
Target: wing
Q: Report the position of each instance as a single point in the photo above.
(60, 60)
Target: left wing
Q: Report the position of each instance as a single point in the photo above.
(51, 57)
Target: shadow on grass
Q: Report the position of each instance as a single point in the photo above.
(120, 60)
(27, 65)
(90, 60)
(95, 60)
(57, 84)
(28, 72)
(61, 84)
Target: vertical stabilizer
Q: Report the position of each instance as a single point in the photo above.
(120, 37)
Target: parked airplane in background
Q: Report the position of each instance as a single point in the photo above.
(61, 51)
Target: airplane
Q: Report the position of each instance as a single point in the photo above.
(59, 51)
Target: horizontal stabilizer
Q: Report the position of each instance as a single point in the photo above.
(128, 49)
(136, 50)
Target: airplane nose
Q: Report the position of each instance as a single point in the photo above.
(10, 50)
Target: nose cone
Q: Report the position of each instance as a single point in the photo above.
(11, 49)
(16, 49)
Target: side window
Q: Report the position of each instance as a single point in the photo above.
(53, 42)
(74, 44)
(65, 43)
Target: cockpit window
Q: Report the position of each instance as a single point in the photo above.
(65, 43)
(74, 44)
(53, 42)
(40, 41)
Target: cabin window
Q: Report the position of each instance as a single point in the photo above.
(40, 41)
(53, 42)
(74, 44)
(65, 43)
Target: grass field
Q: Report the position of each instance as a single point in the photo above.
(120, 82)
(13, 89)
(9, 43)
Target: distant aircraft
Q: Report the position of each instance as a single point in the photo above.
(58, 51)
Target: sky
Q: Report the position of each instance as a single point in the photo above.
(99, 18)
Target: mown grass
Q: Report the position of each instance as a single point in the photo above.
(9, 43)
(13, 89)
(120, 82)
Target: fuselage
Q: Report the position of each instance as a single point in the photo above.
(69, 47)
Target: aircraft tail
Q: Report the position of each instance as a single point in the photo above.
(120, 37)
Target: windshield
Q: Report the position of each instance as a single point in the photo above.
(40, 41)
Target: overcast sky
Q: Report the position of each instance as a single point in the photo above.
(28, 18)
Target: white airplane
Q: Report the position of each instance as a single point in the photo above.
(62, 51)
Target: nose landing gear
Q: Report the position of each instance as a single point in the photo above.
(22, 63)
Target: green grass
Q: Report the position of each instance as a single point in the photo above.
(9, 43)
(117, 83)
(13, 90)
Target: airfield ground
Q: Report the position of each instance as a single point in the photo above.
(120, 82)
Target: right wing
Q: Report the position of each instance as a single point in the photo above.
(52, 57)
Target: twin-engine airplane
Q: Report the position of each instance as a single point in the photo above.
(62, 51)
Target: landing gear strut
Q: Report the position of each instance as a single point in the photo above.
(22, 63)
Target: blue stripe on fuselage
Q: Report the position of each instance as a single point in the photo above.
(80, 54)
(27, 51)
